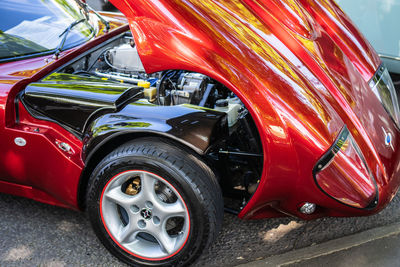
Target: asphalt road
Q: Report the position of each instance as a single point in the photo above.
(35, 234)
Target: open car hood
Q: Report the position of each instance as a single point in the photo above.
(300, 67)
(303, 53)
(253, 32)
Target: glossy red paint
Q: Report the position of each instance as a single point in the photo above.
(40, 170)
(301, 68)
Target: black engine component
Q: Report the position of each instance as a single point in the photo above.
(177, 87)
(192, 87)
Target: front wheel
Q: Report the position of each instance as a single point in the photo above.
(152, 203)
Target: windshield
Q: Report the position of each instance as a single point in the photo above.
(30, 27)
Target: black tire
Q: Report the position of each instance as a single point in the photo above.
(189, 176)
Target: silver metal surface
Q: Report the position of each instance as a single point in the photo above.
(116, 77)
(19, 141)
(148, 216)
(308, 208)
(389, 57)
(65, 147)
(126, 58)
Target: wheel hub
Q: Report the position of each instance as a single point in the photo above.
(146, 214)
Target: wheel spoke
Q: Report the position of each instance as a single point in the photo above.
(126, 232)
(117, 196)
(148, 183)
(166, 242)
(166, 210)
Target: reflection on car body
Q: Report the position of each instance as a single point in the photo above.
(181, 108)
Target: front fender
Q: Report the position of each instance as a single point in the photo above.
(197, 128)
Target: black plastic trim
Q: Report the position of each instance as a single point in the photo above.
(16, 106)
(37, 115)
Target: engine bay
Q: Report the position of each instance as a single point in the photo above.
(237, 158)
(119, 62)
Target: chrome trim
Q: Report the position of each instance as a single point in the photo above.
(389, 57)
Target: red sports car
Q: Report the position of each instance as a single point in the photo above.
(156, 122)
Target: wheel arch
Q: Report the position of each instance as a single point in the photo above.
(117, 140)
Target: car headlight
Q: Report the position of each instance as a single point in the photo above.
(342, 174)
(382, 85)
